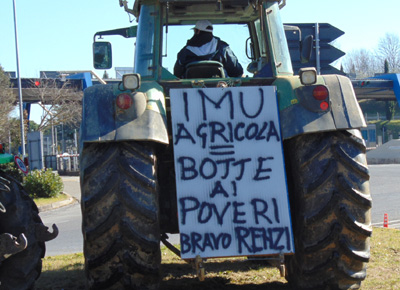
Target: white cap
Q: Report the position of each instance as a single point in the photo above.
(204, 25)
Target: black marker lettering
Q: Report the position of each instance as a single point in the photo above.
(217, 105)
(183, 133)
(187, 168)
(260, 211)
(273, 132)
(185, 208)
(260, 106)
(251, 131)
(186, 106)
(260, 170)
(241, 163)
(208, 168)
(218, 189)
(237, 213)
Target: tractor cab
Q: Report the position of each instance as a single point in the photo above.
(253, 30)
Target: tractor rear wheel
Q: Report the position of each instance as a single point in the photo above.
(120, 216)
(331, 210)
(20, 215)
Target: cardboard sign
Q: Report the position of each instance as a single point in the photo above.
(231, 184)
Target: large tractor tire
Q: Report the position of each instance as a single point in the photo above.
(120, 216)
(19, 215)
(331, 210)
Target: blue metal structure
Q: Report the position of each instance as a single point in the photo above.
(323, 53)
(29, 85)
(85, 77)
(381, 87)
(76, 82)
(395, 79)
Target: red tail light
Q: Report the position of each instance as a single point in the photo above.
(324, 106)
(320, 93)
(124, 101)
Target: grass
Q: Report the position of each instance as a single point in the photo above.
(45, 201)
(66, 271)
(384, 267)
(62, 272)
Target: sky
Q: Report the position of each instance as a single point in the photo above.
(56, 35)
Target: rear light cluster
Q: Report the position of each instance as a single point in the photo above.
(124, 101)
(321, 93)
(130, 106)
(314, 98)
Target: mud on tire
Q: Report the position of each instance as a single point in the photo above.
(120, 216)
(330, 204)
(21, 215)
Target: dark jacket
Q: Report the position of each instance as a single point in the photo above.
(205, 46)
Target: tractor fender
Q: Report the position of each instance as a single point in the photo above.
(103, 121)
(299, 117)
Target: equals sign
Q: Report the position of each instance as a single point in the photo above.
(222, 150)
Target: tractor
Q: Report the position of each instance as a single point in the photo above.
(268, 165)
(22, 232)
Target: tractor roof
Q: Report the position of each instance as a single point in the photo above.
(217, 11)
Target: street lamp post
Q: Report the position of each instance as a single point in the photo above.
(21, 109)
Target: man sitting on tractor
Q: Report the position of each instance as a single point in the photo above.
(205, 46)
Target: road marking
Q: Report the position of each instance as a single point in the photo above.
(394, 224)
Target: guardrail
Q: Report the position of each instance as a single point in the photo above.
(68, 163)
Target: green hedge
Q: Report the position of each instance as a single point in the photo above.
(43, 183)
(391, 128)
(12, 170)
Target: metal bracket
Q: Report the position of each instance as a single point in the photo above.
(10, 245)
(42, 233)
(282, 266)
(274, 261)
(198, 84)
(199, 266)
(197, 263)
(164, 238)
(235, 83)
(2, 208)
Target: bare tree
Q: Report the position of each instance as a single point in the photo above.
(385, 59)
(105, 75)
(389, 54)
(389, 50)
(14, 133)
(7, 101)
(390, 106)
(363, 63)
(69, 112)
(61, 103)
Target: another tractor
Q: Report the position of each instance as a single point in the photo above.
(270, 164)
(22, 233)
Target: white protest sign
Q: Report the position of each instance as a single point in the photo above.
(231, 185)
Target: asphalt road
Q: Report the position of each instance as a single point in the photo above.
(68, 220)
(385, 191)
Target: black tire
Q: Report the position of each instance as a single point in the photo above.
(120, 216)
(331, 210)
(20, 270)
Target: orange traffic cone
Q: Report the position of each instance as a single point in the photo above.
(386, 221)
